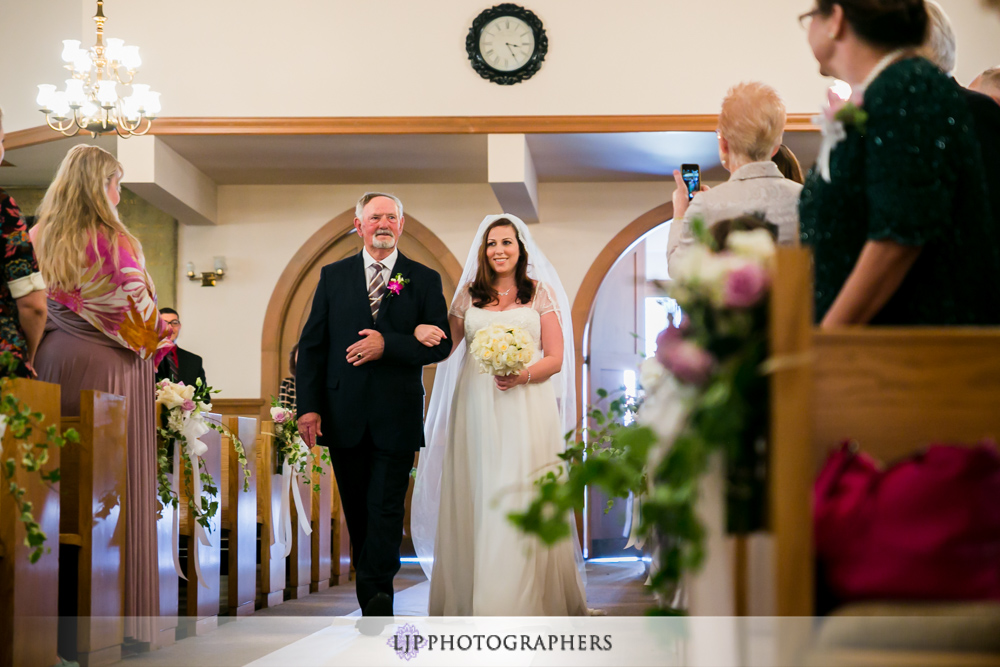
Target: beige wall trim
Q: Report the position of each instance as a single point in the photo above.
(418, 125)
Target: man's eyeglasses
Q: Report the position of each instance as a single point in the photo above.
(172, 323)
(807, 15)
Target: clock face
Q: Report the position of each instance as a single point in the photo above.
(506, 43)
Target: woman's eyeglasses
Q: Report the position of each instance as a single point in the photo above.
(807, 16)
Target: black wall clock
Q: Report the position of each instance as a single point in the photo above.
(506, 44)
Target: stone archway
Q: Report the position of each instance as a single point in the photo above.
(292, 297)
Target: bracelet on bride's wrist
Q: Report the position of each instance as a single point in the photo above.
(529, 378)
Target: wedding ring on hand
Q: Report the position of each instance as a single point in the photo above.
(359, 355)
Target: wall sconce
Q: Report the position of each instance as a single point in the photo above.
(208, 278)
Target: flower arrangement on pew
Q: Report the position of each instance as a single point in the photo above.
(294, 459)
(705, 393)
(291, 448)
(21, 421)
(182, 423)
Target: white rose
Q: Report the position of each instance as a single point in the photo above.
(169, 398)
(187, 392)
(651, 374)
(275, 411)
(755, 244)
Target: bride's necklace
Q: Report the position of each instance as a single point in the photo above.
(505, 293)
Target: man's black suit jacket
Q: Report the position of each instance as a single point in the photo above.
(385, 395)
(189, 368)
(986, 115)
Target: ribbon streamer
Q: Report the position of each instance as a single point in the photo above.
(199, 531)
(176, 530)
(285, 520)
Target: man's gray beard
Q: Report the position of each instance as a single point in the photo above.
(384, 245)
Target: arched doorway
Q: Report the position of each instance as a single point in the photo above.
(611, 314)
(291, 300)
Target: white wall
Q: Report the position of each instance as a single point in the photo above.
(262, 227)
(406, 58)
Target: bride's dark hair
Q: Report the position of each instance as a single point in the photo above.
(481, 290)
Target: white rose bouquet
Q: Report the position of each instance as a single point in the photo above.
(501, 350)
(183, 423)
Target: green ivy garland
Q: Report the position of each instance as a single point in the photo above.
(21, 422)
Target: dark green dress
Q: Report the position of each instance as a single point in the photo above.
(915, 177)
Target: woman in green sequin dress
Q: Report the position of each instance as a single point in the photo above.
(900, 229)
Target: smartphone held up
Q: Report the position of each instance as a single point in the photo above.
(691, 173)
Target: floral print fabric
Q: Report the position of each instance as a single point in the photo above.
(20, 275)
(120, 302)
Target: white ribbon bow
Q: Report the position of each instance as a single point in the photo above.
(283, 527)
(192, 428)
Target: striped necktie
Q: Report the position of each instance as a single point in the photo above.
(376, 289)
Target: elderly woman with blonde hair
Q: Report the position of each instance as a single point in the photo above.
(104, 333)
(751, 124)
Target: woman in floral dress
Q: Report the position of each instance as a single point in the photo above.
(104, 333)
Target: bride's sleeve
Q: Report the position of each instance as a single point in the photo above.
(544, 301)
(461, 302)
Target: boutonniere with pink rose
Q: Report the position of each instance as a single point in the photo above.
(837, 116)
(396, 284)
(848, 112)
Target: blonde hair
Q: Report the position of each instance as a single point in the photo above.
(939, 45)
(752, 120)
(75, 212)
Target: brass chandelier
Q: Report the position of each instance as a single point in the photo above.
(91, 101)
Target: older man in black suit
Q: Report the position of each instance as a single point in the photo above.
(360, 390)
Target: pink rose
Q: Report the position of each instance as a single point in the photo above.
(188, 405)
(745, 286)
(688, 361)
(281, 417)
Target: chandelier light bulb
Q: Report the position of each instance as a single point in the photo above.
(106, 93)
(45, 92)
(114, 50)
(70, 49)
(75, 96)
(59, 104)
(130, 57)
(152, 104)
(90, 112)
(82, 63)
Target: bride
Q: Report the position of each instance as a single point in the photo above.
(489, 438)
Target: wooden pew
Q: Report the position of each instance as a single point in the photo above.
(169, 581)
(202, 608)
(272, 558)
(239, 517)
(322, 507)
(92, 530)
(894, 390)
(29, 592)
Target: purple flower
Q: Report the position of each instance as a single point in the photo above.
(745, 286)
(281, 417)
(394, 287)
(188, 405)
(688, 361)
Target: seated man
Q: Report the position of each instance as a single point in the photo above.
(180, 365)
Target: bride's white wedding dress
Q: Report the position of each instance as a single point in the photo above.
(499, 443)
